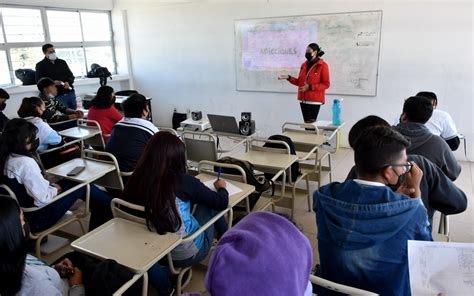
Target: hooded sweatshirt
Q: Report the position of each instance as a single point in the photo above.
(433, 147)
(363, 229)
(265, 255)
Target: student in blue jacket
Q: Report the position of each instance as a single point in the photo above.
(363, 225)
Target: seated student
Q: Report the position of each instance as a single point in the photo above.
(103, 111)
(31, 110)
(363, 225)
(24, 176)
(160, 183)
(441, 123)
(25, 275)
(263, 254)
(55, 110)
(130, 135)
(438, 192)
(4, 96)
(416, 112)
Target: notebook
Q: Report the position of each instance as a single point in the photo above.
(231, 188)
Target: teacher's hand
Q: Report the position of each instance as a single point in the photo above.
(304, 88)
(283, 77)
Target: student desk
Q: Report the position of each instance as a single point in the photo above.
(94, 170)
(306, 141)
(269, 162)
(235, 198)
(80, 132)
(130, 244)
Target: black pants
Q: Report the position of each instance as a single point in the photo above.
(310, 112)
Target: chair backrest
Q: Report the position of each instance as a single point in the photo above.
(126, 93)
(338, 287)
(112, 179)
(208, 167)
(300, 127)
(168, 129)
(97, 141)
(200, 146)
(120, 207)
(256, 145)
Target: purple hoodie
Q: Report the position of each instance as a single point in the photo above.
(264, 254)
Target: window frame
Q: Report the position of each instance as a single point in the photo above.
(7, 46)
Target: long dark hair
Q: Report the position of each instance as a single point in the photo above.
(15, 136)
(28, 107)
(103, 99)
(154, 183)
(13, 247)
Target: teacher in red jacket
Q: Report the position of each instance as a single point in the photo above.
(312, 83)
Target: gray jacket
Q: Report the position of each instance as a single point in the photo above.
(433, 147)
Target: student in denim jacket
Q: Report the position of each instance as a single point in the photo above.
(364, 225)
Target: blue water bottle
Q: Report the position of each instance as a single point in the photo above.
(336, 112)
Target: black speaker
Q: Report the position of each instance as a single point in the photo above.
(196, 115)
(246, 116)
(247, 128)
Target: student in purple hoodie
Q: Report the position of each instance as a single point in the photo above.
(265, 255)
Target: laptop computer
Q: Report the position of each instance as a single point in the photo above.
(223, 123)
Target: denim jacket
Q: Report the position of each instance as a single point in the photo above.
(362, 235)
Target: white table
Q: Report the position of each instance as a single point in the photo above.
(94, 170)
(80, 132)
(267, 160)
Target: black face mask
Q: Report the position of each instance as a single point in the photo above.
(399, 183)
(308, 56)
(34, 145)
(3, 105)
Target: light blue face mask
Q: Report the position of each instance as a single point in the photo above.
(52, 56)
(50, 96)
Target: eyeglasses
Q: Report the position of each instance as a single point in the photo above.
(407, 166)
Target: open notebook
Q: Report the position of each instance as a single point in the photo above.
(231, 188)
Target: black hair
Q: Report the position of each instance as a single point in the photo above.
(29, 106)
(46, 46)
(377, 148)
(418, 109)
(13, 247)
(360, 126)
(4, 94)
(44, 83)
(15, 136)
(134, 106)
(428, 94)
(103, 99)
(315, 47)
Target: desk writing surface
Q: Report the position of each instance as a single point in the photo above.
(79, 132)
(129, 243)
(268, 159)
(304, 138)
(235, 198)
(94, 170)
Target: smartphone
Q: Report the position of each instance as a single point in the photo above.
(76, 171)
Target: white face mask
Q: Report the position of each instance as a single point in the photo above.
(52, 56)
(51, 96)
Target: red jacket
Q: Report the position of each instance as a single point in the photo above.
(317, 78)
(106, 119)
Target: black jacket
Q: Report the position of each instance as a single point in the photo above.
(3, 121)
(438, 192)
(57, 71)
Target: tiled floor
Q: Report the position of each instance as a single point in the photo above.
(461, 225)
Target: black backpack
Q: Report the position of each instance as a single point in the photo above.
(99, 72)
(295, 167)
(27, 76)
(260, 183)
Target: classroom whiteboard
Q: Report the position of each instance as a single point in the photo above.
(266, 48)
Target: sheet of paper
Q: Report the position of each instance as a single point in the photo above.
(437, 267)
(231, 188)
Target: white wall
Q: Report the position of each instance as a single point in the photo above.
(183, 56)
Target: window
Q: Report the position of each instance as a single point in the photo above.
(64, 25)
(81, 38)
(22, 25)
